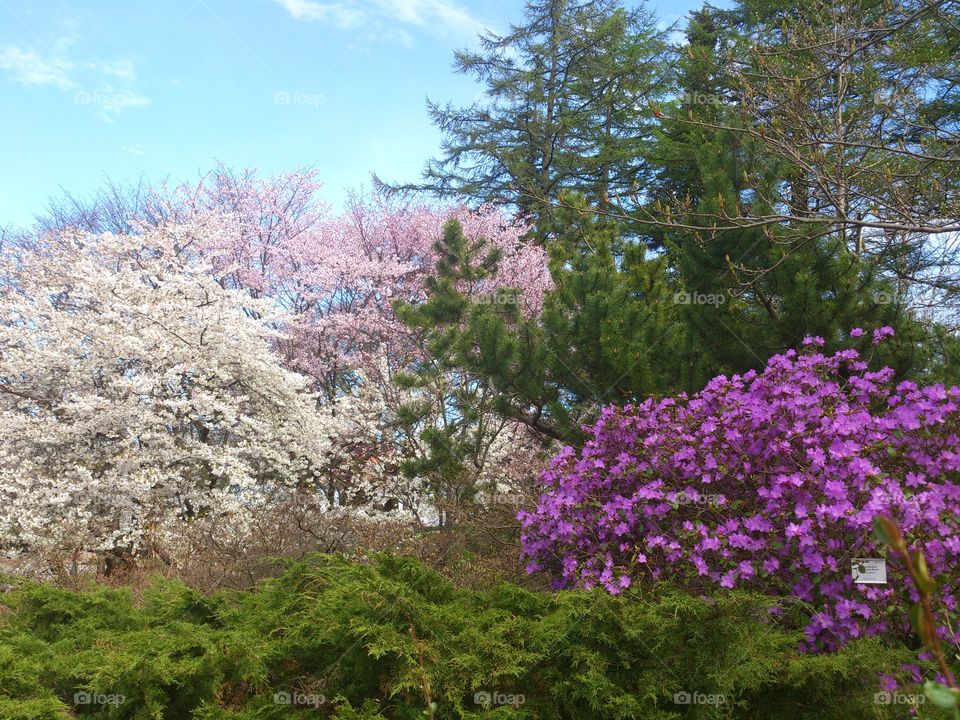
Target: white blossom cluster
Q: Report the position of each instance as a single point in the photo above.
(137, 392)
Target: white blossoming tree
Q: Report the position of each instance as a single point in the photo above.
(317, 293)
(137, 393)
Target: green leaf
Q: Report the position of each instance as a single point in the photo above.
(940, 695)
(880, 530)
(916, 619)
(924, 581)
(887, 532)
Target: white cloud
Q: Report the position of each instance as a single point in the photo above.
(90, 81)
(334, 13)
(29, 67)
(122, 69)
(443, 16)
(432, 13)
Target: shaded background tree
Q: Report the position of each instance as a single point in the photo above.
(566, 106)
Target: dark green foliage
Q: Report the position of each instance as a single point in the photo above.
(762, 289)
(566, 108)
(368, 636)
(610, 325)
(451, 415)
(652, 298)
(608, 332)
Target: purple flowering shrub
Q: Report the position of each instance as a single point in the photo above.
(768, 481)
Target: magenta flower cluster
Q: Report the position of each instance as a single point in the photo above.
(767, 481)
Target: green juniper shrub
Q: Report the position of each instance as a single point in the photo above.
(351, 640)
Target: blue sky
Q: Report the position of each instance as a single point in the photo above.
(163, 88)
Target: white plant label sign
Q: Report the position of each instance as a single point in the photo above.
(869, 571)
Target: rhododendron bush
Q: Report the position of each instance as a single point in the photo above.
(766, 481)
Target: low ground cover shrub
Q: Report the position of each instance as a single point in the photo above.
(390, 638)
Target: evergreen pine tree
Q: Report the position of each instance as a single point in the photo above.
(566, 107)
(608, 332)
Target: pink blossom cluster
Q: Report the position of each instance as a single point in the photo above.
(767, 481)
(339, 276)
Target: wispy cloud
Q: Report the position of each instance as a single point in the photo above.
(93, 82)
(29, 67)
(110, 100)
(431, 14)
(443, 16)
(122, 69)
(333, 13)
